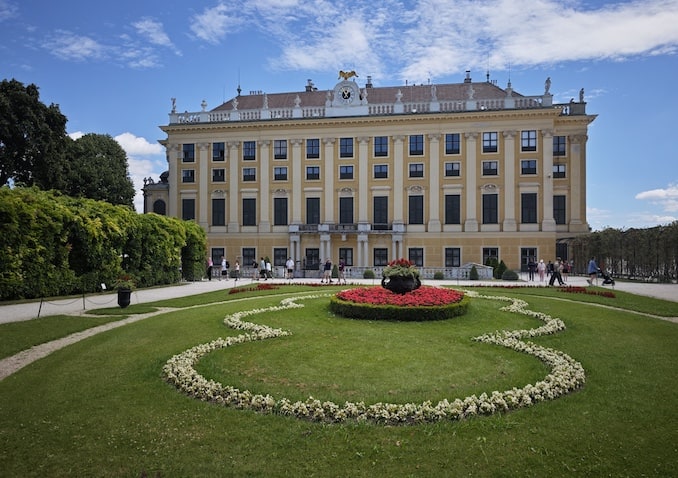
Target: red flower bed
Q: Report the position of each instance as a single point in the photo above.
(584, 290)
(377, 303)
(237, 290)
(422, 297)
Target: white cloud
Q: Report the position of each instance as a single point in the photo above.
(666, 198)
(76, 135)
(154, 32)
(214, 23)
(138, 146)
(7, 10)
(69, 46)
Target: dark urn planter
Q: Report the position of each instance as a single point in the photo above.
(124, 296)
(400, 284)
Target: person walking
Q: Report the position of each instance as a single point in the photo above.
(269, 269)
(255, 270)
(342, 266)
(262, 269)
(541, 270)
(289, 265)
(592, 271)
(210, 266)
(531, 267)
(556, 275)
(327, 272)
(237, 270)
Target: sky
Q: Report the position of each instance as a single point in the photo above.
(113, 68)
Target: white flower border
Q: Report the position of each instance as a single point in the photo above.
(566, 376)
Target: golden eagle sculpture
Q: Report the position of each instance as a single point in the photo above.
(347, 74)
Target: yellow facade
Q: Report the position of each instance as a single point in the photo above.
(460, 173)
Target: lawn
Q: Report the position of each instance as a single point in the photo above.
(100, 407)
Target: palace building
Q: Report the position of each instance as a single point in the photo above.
(441, 174)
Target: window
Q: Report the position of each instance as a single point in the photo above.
(490, 253)
(559, 171)
(380, 256)
(346, 255)
(452, 169)
(416, 209)
(280, 173)
(559, 146)
(312, 259)
(187, 175)
(159, 207)
(380, 146)
(490, 142)
(380, 213)
(249, 174)
(345, 147)
(217, 252)
(280, 256)
(345, 210)
(380, 171)
(218, 175)
(452, 257)
(189, 153)
(249, 256)
(218, 212)
(490, 209)
(280, 149)
(452, 143)
(312, 172)
(528, 140)
(528, 166)
(218, 152)
(188, 209)
(416, 170)
(249, 212)
(452, 209)
(416, 255)
(312, 148)
(490, 168)
(560, 209)
(345, 172)
(312, 210)
(249, 150)
(528, 208)
(279, 211)
(416, 144)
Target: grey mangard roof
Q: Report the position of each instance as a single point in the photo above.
(379, 95)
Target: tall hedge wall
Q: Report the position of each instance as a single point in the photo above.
(57, 245)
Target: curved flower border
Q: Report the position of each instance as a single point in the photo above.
(566, 376)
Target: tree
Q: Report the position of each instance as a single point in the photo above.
(98, 170)
(32, 138)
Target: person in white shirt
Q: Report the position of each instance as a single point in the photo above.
(290, 268)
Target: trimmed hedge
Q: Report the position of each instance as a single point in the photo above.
(353, 310)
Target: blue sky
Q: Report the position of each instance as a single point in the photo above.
(113, 68)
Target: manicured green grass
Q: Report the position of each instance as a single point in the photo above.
(100, 407)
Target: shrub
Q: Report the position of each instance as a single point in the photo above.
(353, 310)
(499, 270)
(368, 274)
(335, 272)
(473, 274)
(438, 275)
(509, 275)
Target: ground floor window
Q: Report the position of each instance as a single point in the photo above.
(527, 255)
(280, 256)
(452, 257)
(346, 255)
(416, 255)
(312, 259)
(380, 256)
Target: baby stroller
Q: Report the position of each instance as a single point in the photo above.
(607, 278)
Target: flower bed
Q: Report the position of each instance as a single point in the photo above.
(377, 303)
(584, 290)
(566, 376)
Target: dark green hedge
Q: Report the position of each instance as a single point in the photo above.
(57, 245)
(354, 310)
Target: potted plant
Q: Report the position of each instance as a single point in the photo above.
(400, 276)
(124, 285)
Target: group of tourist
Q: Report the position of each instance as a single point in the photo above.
(224, 269)
(558, 270)
(327, 272)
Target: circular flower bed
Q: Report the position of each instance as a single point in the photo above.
(377, 303)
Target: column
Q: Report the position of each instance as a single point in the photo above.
(509, 224)
(328, 174)
(434, 224)
(577, 181)
(297, 181)
(203, 192)
(233, 193)
(471, 171)
(398, 180)
(548, 223)
(363, 177)
(264, 187)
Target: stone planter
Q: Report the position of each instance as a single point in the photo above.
(124, 297)
(400, 284)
